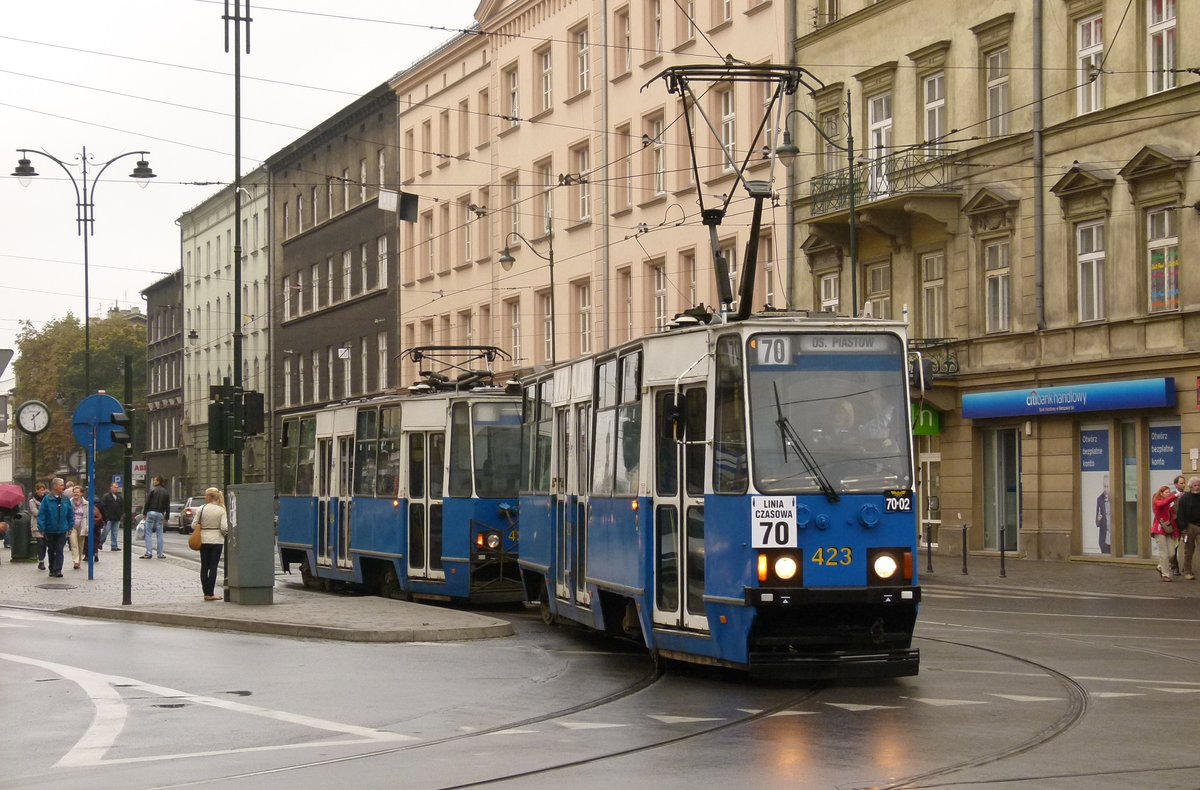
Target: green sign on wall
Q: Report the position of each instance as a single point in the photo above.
(926, 421)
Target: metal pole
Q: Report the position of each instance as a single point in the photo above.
(127, 516)
(238, 383)
(1002, 541)
(853, 217)
(965, 527)
(929, 548)
(553, 312)
(83, 213)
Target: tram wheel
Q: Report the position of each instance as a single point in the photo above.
(306, 575)
(389, 583)
(544, 606)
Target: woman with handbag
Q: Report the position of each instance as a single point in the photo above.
(1163, 531)
(212, 524)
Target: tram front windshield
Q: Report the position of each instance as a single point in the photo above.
(828, 413)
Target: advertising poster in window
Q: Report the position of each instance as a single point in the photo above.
(1166, 447)
(1095, 493)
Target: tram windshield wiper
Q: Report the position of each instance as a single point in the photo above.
(787, 434)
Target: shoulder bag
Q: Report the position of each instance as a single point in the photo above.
(194, 542)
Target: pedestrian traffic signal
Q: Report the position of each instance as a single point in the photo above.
(220, 439)
(122, 427)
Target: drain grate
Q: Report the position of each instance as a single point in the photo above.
(56, 586)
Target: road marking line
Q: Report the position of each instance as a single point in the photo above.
(587, 725)
(793, 713)
(1026, 698)
(682, 719)
(1174, 690)
(1112, 694)
(855, 708)
(1080, 616)
(946, 703)
(111, 714)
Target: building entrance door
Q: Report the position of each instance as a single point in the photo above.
(1001, 488)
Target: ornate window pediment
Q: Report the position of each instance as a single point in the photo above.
(1084, 190)
(1155, 173)
(823, 255)
(991, 210)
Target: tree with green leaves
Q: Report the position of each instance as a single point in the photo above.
(49, 368)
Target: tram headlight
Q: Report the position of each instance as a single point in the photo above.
(493, 540)
(885, 566)
(786, 567)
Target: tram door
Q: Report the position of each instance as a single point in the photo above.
(581, 474)
(426, 470)
(679, 515)
(344, 481)
(560, 490)
(325, 474)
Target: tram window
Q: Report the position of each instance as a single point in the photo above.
(366, 449)
(306, 456)
(729, 433)
(695, 560)
(629, 448)
(666, 559)
(437, 464)
(460, 450)
(606, 384)
(496, 433)
(667, 468)
(389, 451)
(602, 467)
(693, 453)
(528, 430)
(287, 470)
(416, 466)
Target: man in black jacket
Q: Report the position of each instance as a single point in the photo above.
(1187, 517)
(158, 505)
(112, 506)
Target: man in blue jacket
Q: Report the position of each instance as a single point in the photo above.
(56, 517)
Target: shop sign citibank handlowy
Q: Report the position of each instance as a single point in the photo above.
(1106, 396)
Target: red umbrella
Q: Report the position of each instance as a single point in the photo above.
(12, 496)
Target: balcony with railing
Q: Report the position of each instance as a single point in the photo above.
(925, 169)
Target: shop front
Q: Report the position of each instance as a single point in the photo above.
(1094, 454)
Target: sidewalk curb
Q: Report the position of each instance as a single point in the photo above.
(497, 629)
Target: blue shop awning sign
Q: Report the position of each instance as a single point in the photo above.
(1106, 396)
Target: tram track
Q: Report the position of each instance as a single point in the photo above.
(1077, 707)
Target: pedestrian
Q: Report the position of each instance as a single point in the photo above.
(35, 502)
(1188, 523)
(213, 523)
(80, 525)
(1180, 489)
(56, 518)
(112, 505)
(1163, 530)
(158, 505)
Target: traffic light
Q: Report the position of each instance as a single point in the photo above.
(219, 438)
(252, 413)
(122, 427)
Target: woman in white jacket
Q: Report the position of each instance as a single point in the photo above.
(213, 523)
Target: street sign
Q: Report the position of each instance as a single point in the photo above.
(93, 419)
(139, 471)
(118, 480)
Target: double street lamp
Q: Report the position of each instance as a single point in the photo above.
(84, 217)
(787, 152)
(507, 261)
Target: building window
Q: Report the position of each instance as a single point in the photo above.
(329, 275)
(287, 299)
(830, 153)
(286, 232)
(512, 189)
(363, 259)
(583, 298)
(381, 272)
(299, 384)
(346, 182)
(728, 127)
(659, 275)
(687, 273)
(583, 203)
(624, 185)
(1089, 256)
(879, 127)
(445, 240)
(466, 231)
(654, 27)
(1089, 42)
(383, 362)
(316, 375)
(299, 224)
(625, 302)
(579, 42)
(347, 265)
(724, 10)
(464, 127)
(380, 168)
(933, 294)
(624, 43)
(997, 275)
(830, 288)
(328, 196)
(545, 78)
(315, 284)
(827, 12)
(656, 156)
(685, 20)
(362, 180)
(363, 366)
(547, 303)
(484, 118)
(545, 210)
(729, 254)
(426, 146)
(1161, 22)
(312, 201)
(997, 92)
(514, 329)
(427, 241)
(482, 228)
(879, 289)
(766, 259)
(935, 108)
(1163, 256)
(512, 95)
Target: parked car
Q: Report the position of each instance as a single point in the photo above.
(173, 521)
(190, 509)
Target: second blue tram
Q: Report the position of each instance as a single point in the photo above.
(738, 494)
(407, 495)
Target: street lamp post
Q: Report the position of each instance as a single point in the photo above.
(85, 194)
(787, 152)
(507, 261)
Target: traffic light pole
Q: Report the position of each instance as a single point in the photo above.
(127, 516)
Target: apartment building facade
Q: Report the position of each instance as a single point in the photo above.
(551, 139)
(1022, 192)
(165, 382)
(207, 236)
(333, 287)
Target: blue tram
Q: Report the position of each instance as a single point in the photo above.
(407, 495)
(738, 494)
